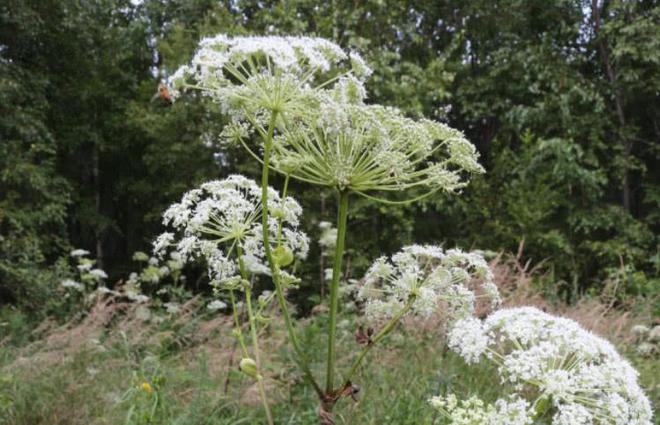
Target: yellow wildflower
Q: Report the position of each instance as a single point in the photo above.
(147, 387)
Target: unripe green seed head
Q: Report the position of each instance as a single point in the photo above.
(249, 367)
(282, 256)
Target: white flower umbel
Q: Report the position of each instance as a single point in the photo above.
(328, 238)
(216, 220)
(573, 376)
(225, 223)
(365, 148)
(79, 253)
(98, 274)
(72, 284)
(252, 77)
(216, 305)
(474, 411)
(418, 278)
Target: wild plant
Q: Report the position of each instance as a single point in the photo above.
(143, 399)
(85, 283)
(551, 370)
(161, 277)
(83, 280)
(297, 106)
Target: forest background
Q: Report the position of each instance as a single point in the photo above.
(560, 98)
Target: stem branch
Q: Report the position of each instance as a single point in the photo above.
(379, 336)
(274, 269)
(253, 335)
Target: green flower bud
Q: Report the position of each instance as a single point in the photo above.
(277, 212)
(282, 256)
(249, 367)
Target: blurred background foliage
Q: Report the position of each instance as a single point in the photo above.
(561, 99)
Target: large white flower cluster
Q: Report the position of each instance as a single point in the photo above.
(364, 148)
(251, 77)
(310, 93)
(298, 56)
(578, 375)
(420, 277)
(222, 219)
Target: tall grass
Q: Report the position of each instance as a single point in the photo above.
(93, 371)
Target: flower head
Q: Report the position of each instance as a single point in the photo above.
(640, 330)
(216, 305)
(554, 358)
(79, 253)
(365, 148)
(72, 284)
(251, 75)
(222, 218)
(422, 277)
(328, 238)
(474, 411)
(98, 274)
(146, 387)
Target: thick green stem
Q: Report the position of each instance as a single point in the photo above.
(274, 270)
(334, 288)
(379, 336)
(253, 335)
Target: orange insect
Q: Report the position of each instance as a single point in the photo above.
(163, 93)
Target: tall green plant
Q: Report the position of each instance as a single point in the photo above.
(302, 99)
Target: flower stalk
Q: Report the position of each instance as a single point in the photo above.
(334, 287)
(253, 335)
(237, 331)
(274, 268)
(389, 326)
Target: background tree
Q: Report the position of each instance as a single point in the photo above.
(559, 97)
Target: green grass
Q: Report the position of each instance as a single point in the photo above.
(193, 382)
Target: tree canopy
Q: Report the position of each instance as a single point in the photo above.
(559, 97)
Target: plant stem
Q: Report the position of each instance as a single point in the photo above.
(274, 270)
(253, 335)
(237, 323)
(379, 336)
(279, 221)
(334, 287)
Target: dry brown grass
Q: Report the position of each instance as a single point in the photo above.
(516, 280)
(113, 320)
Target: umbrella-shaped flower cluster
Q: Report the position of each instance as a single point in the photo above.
(364, 148)
(473, 411)
(574, 376)
(222, 219)
(418, 278)
(305, 97)
(253, 77)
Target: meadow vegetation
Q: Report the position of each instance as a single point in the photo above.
(92, 370)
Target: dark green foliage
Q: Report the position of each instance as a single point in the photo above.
(33, 197)
(559, 97)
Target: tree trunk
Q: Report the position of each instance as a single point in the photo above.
(97, 204)
(596, 16)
